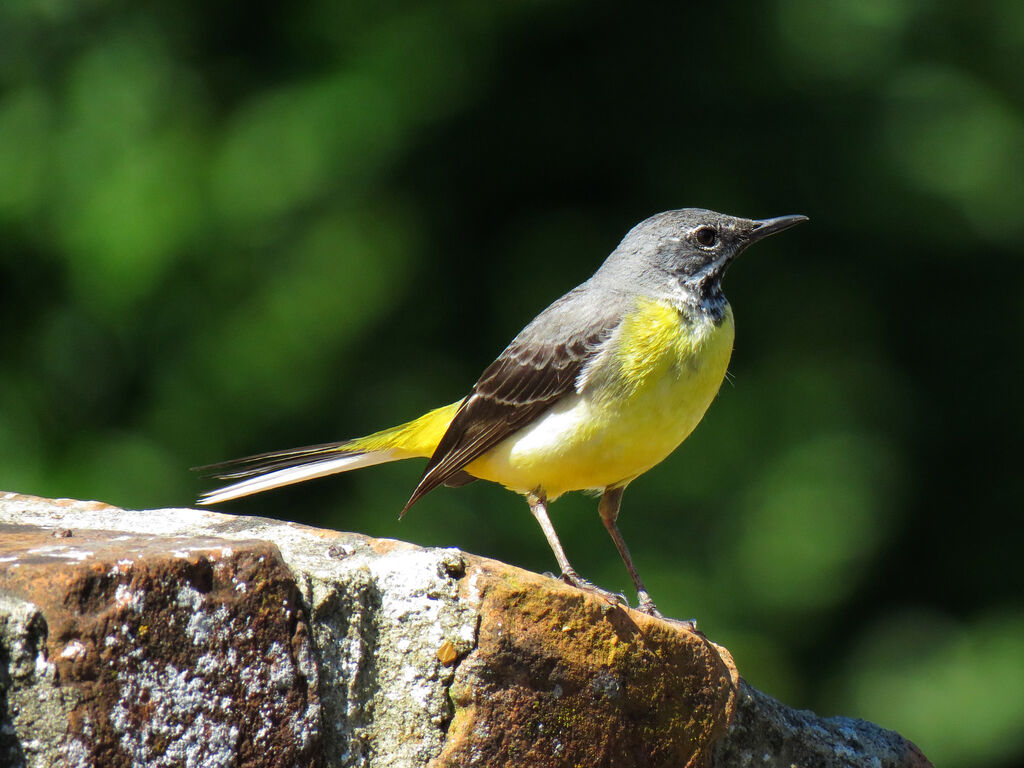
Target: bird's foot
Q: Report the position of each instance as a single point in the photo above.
(646, 605)
(613, 599)
(689, 624)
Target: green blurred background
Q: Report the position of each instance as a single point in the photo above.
(231, 228)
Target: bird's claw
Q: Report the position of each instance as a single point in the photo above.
(646, 605)
(574, 579)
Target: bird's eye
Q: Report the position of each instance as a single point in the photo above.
(706, 236)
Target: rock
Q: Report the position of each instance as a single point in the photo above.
(134, 649)
(560, 678)
(766, 732)
(34, 710)
(181, 637)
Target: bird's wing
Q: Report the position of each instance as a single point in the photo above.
(541, 365)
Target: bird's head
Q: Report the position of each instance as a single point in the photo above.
(687, 251)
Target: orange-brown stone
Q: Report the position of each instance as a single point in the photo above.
(560, 678)
(193, 651)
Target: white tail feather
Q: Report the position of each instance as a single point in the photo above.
(280, 477)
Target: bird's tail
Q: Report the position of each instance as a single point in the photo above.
(417, 438)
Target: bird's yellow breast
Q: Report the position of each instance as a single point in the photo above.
(642, 394)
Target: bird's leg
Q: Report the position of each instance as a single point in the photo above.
(609, 510)
(539, 507)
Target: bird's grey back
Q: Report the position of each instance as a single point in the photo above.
(636, 268)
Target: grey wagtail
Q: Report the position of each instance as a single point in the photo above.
(597, 389)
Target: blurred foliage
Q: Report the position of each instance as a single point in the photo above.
(228, 229)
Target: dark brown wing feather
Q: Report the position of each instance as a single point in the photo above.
(525, 380)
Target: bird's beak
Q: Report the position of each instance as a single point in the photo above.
(767, 227)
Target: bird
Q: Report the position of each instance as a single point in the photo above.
(596, 390)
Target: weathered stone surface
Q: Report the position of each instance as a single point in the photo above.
(768, 734)
(34, 711)
(558, 678)
(380, 611)
(152, 651)
(122, 641)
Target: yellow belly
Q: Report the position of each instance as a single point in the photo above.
(641, 398)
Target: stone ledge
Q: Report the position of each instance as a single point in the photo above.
(187, 637)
